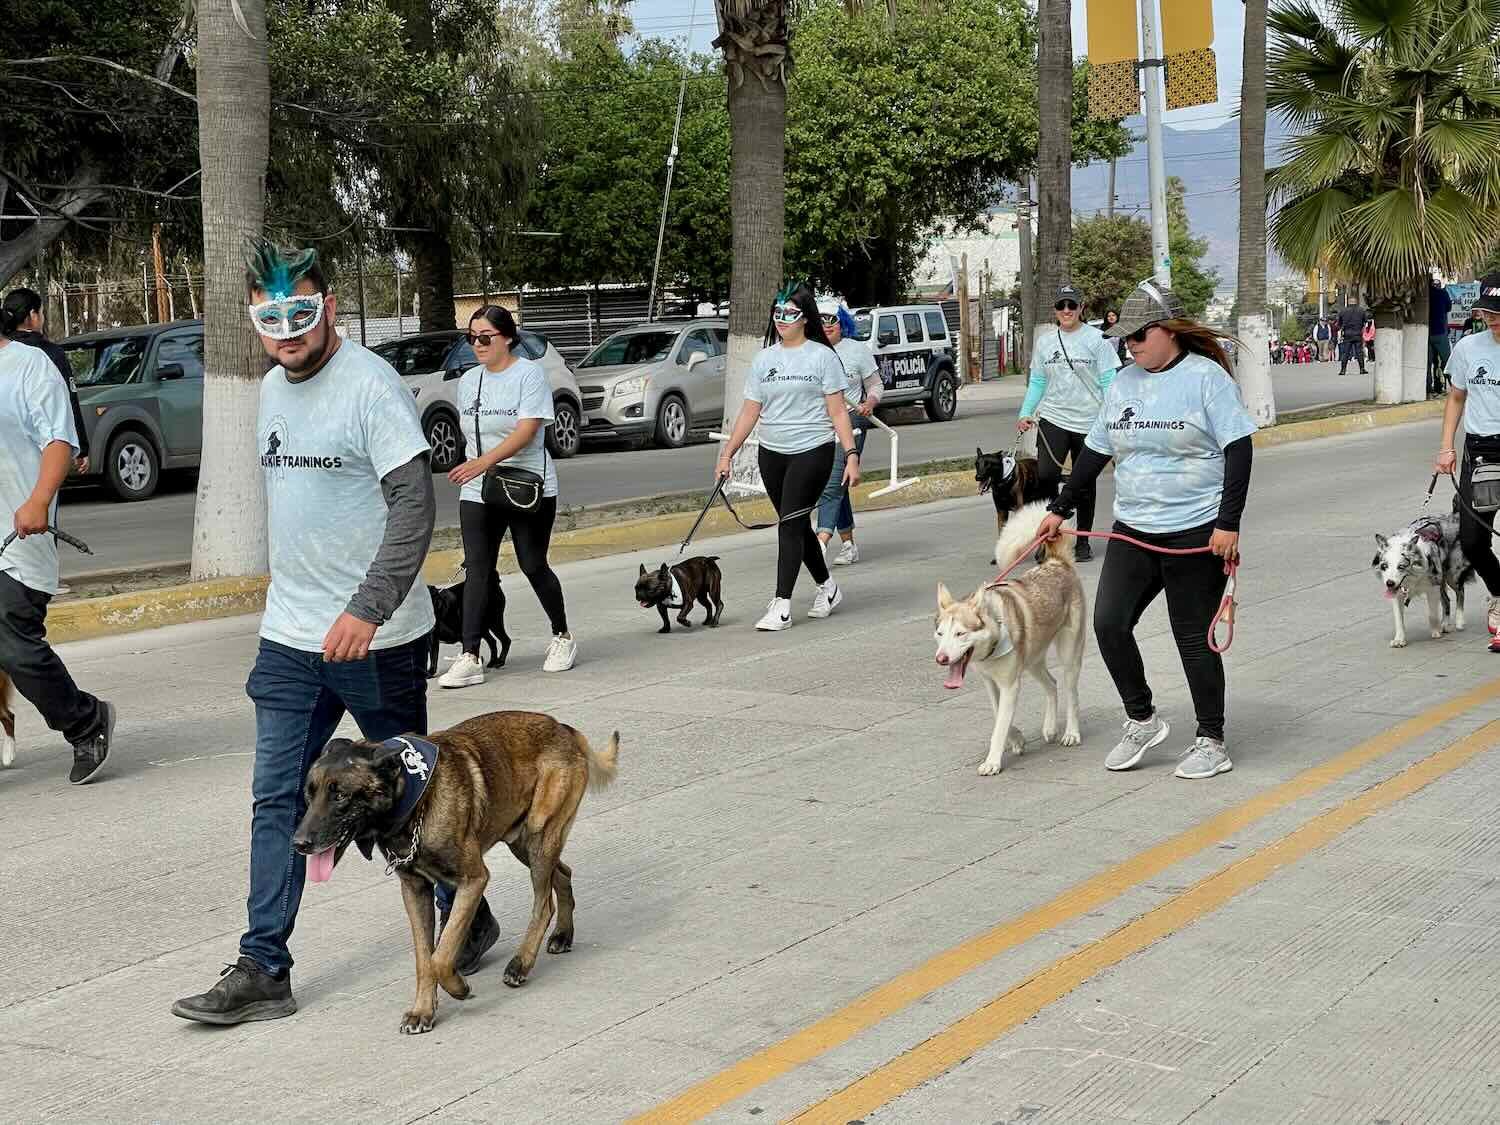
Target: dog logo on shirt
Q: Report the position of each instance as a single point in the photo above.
(1127, 414)
(273, 444)
(276, 461)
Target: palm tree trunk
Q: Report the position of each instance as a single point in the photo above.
(1054, 56)
(757, 197)
(1253, 365)
(1389, 383)
(234, 111)
(1414, 345)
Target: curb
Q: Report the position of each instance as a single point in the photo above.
(231, 597)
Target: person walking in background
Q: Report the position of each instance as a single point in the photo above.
(37, 436)
(835, 511)
(1323, 337)
(1352, 320)
(26, 308)
(1112, 318)
(508, 403)
(796, 391)
(1368, 336)
(1071, 368)
(1439, 347)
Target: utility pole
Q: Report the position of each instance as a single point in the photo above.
(661, 229)
(359, 265)
(1028, 275)
(1153, 65)
(1109, 208)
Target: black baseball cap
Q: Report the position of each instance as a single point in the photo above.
(1489, 293)
(1068, 293)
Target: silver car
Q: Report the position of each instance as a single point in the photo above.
(655, 382)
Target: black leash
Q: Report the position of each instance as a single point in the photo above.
(70, 540)
(718, 494)
(1458, 493)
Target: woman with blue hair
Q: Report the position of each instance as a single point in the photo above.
(835, 512)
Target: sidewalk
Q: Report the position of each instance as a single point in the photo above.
(798, 822)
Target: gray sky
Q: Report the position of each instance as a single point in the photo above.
(669, 19)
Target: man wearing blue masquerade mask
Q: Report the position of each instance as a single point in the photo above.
(350, 511)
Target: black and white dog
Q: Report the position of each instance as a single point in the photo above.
(1424, 558)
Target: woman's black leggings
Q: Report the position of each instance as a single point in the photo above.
(1130, 580)
(1473, 535)
(796, 480)
(1056, 440)
(483, 527)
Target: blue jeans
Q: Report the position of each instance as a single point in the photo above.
(835, 513)
(299, 701)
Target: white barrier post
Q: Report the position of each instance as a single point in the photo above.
(896, 482)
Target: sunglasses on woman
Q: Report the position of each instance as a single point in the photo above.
(787, 314)
(1069, 306)
(482, 339)
(1139, 336)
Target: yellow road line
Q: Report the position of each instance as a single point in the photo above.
(963, 1038)
(843, 1025)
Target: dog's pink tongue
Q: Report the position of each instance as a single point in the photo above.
(320, 866)
(1390, 595)
(956, 672)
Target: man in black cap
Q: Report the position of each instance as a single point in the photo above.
(1351, 336)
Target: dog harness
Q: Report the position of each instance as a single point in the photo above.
(418, 759)
(674, 599)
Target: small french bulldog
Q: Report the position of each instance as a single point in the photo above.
(679, 587)
(448, 611)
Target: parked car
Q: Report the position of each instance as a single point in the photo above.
(141, 390)
(431, 363)
(916, 356)
(656, 382)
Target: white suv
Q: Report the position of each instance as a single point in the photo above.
(916, 356)
(430, 365)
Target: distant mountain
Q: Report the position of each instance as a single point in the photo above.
(1208, 163)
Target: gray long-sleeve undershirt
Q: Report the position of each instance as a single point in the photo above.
(411, 513)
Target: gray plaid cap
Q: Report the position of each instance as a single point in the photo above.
(1149, 304)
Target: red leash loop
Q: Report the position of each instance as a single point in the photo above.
(1225, 614)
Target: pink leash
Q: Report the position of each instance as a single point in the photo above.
(1225, 615)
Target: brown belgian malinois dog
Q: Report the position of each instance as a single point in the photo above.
(516, 776)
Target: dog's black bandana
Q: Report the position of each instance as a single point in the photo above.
(418, 760)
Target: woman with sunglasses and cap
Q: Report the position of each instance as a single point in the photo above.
(862, 396)
(1071, 368)
(796, 391)
(506, 402)
(1179, 436)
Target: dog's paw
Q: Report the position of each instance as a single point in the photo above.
(495, 662)
(1398, 642)
(664, 629)
(416, 1022)
(7, 751)
(1072, 738)
(988, 768)
(686, 624)
(455, 986)
(561, 941)
(515, 972)
(1015, 742)
(1049, 731)
(1436, 634)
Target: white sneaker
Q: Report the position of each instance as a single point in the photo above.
(561, 653)
(466, 671)
(828, 598)
(778, 616)
(848, 556)
(1206, 759)
(1492, 618)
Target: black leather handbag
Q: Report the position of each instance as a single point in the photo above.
(509, 486)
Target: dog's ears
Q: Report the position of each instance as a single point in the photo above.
(338, 744)
(643, 570)
(978, 452)
(664, 570)
(945, 599)
(366, 846)
(1380, 541)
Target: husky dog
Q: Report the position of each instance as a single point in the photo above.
(1006, 630)
(1424, 558)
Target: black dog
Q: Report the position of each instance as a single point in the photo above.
(1012, 482)
(448, 609)
(678, 587)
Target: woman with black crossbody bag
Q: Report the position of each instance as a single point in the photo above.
(508, 484)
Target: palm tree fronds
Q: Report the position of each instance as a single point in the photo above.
(1304, 227)
(1317, 160)
(1460, 142)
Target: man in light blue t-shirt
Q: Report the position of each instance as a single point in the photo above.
(1474, 397)
(350, 510)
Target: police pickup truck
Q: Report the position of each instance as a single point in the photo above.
(916, 356)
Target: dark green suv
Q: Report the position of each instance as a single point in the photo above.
(141, 389)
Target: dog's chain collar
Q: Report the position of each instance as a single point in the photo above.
(411, 853)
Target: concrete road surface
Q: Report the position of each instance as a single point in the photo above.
(161, 529)
(800, 897)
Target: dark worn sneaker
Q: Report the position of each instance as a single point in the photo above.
(245, 992)
(484, 932)
(1083, 552)
(89, 755)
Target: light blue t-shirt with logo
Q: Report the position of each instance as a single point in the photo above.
(325, 443)
(34, 412)
(504, 398)
(1475, 367)
(1166, 431)
(789, 384)
(1070, 371)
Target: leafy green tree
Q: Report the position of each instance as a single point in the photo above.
(1190, 281)
(1109, 258)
